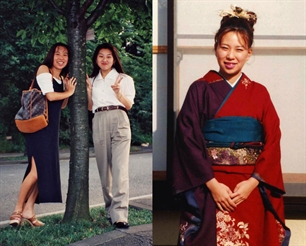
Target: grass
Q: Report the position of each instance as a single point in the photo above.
(56, 233)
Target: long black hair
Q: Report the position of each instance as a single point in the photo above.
(49, 59)
(117, 63)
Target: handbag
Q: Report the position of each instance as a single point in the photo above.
(33, 114)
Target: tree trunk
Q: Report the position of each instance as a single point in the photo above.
(77, 205)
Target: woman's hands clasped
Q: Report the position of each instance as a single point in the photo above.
(227, 200)
(243, 190)
(221, 195)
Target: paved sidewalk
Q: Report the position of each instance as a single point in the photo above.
(137, 235)
(134, 236)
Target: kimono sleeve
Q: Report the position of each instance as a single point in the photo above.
(190, 166)
(268, 165)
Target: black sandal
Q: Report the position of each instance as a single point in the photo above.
(121, 225)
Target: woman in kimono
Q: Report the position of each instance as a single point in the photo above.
(227, 150)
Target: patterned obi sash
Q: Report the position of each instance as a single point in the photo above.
(233, 140)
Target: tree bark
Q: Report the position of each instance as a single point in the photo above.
(77, 205)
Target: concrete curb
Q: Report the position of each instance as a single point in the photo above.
(114, 235)
(63, 155)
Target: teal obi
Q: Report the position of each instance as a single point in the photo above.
(234, 132)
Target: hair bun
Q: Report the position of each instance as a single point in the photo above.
(238, 12)
(252, 18)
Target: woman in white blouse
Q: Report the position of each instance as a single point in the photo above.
(41, 181)
(110, 95)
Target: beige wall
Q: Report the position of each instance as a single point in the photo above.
(279, 61)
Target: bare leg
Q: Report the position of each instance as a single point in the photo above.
(28, 189)
(28, 210)
(28, 192)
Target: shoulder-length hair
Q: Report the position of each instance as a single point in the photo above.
(49, 59)
(117, 63)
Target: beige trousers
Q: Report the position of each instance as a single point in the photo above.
(112, 139)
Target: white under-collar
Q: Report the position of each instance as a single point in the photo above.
(232, 85)
(59, 81)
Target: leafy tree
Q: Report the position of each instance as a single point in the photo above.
(78, 22)
(16, 70)
(21, 54)
(127, 24)
(133, 23)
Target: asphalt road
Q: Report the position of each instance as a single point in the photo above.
(140, 173)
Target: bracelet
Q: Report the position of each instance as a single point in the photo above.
(120, 97)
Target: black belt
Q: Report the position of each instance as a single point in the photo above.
(112, 107)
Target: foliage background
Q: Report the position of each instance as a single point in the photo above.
(29, 28)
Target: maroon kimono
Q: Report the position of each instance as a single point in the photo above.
(251, 224)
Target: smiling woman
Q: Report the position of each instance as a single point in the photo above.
(41, 182)
(232, 53)
(110, 95)
(227, 144)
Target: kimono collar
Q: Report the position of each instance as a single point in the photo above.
(232, 85)
(213, 76)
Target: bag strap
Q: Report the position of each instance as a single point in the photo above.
(47, 114)
(46, 100)
(31, 86)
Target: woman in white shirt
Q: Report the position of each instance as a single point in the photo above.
(41, 183)
(110, 95)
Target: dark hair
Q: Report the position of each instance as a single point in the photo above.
(50, 58)
(242, 26)
(117, 64)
